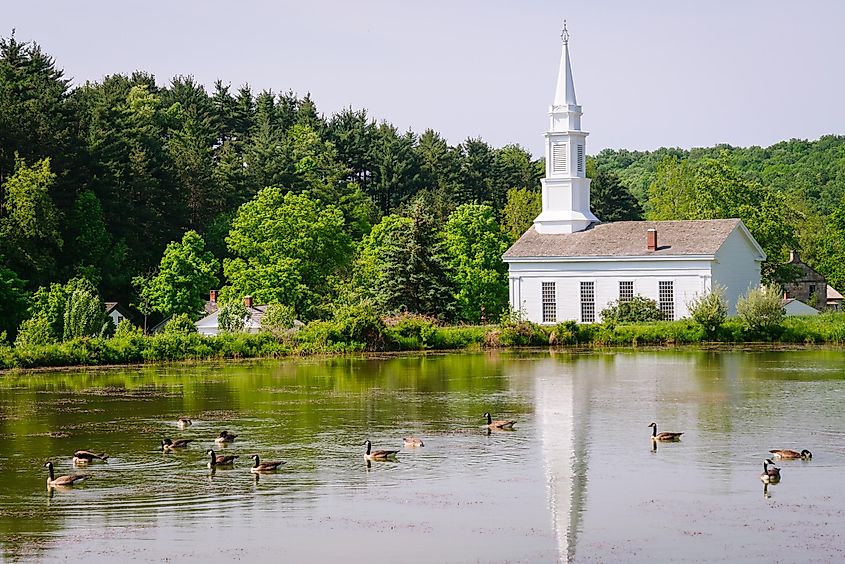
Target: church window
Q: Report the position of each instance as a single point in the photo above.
(666, 298)
(559, 158)
(588, 302)
(549, 303)
(626, 290)
(580, 158)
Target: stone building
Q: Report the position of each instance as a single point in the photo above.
(809, 286)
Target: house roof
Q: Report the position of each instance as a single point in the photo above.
(832, 294)
(628, 238)
(111, 306)
(255, 314)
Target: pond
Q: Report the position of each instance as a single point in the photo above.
(577, 479)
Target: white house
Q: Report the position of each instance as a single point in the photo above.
(208, 325)
(792, 306)
(569, 265)
(117, 313)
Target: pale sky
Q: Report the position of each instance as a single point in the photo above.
(648, 73)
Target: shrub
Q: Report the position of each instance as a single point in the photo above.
(520, 334)
(638, 309)
(565, 333)
(360, 323)
(709, 310)
(180, 324)
(35, 331)
(761, 310)
(413, 331)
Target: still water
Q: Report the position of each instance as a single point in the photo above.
(577, 480)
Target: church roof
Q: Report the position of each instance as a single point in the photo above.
(628, 239)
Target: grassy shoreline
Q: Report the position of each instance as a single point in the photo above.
(411, 334)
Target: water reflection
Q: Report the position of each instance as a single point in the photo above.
(573, 479)
(562, 406)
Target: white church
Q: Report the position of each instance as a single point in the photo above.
(570, 266)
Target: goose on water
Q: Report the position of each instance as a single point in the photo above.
(500, 424)
(220, 459)
(413, 442)
(86, 456)
(170, 444)
(787, 454)
(68, 480)
(183, 422)
(258, 466)
(225, 437)
(771, 474)
(378, 454)
(664, 436)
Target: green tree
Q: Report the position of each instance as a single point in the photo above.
(85, 314)
(831, 250)
(512, 168)
(13, 300)
(180, 324)
(232, 317)
(477, 164)
(29, 221)
(278, 318)
(415, 275)
(35, 121)
(474, 245)
(185, 275)
(522, 207)
(611, 201)
(369, 266)
(285, 248)
(715, 190)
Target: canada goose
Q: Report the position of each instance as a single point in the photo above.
(413, 442)
(770, 475)
(220, 459)
(85, 456)
(183, 422)
(259, 466)
(378, 454)
(52, 481)
(170, 444)
(225, 437)
(501, 424)
(655, 436)
(792, 454)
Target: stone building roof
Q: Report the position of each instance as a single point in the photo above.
(628, 239)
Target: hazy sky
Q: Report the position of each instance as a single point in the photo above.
(647, 73)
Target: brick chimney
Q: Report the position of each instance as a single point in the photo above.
(248, 302)
(212, 296)
(794, 257)
(651, 239)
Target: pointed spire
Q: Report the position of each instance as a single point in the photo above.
(565, 91)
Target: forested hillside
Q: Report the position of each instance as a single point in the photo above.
(131, 190)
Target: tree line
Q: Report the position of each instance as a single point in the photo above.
(152, 194)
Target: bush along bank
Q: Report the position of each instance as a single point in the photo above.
(367, 333)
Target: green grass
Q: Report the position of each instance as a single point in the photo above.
(408, 334)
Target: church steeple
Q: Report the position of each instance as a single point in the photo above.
(565, 91)
(566, 188)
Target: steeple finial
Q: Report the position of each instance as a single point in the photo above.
(564, 35)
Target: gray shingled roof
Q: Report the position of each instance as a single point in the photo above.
(628, 238)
